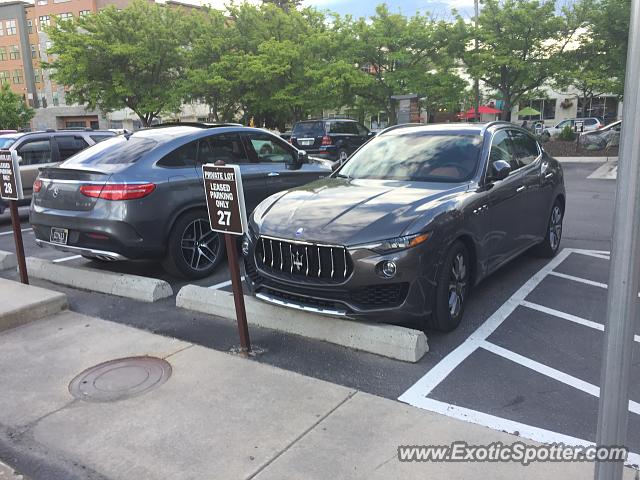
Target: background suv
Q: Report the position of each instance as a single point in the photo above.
(45, 149)
(591, 123)
(141, 195)
(333, 139)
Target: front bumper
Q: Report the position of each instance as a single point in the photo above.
(364, 295)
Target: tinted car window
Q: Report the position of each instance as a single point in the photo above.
(425, 157)
(308, 129)
(6, 142)
(225, 146)
(590, 121)
(343, 127)
(116, 150)
(525, 148)
(184, 156)
(35, 152)
(69, 145)
(362, 131)
(502, 149)
(100, 138)
(269, 150)
(565, 124)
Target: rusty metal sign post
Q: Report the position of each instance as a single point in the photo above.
(228, 216)
(11, 190)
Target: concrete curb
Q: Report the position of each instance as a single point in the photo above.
(386, 340)
(20, 304)
(586, 159)
(8, 260)
(122, 285)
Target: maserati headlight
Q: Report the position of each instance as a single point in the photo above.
(395, 244)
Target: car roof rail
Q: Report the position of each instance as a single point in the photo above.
(497, 123)
(196, 124)
(402, 125)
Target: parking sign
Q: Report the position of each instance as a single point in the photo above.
(10, 184)
(225, 199)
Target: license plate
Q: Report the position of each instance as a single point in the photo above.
(59, 235)
(306, 141)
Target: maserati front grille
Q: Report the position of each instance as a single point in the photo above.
(297, 260)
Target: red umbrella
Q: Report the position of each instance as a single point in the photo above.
(482, 109)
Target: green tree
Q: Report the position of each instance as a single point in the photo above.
(131, 58)
(14, 113)
(271, 64)
(397, 55)
(608, 36)
(284, 4)
(520, 45)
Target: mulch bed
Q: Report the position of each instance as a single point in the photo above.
(558, 148)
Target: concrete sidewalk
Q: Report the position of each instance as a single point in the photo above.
(217, 417)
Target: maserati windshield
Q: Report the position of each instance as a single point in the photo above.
(416, 156)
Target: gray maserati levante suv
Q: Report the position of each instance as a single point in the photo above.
(141, 195)
(405, 228)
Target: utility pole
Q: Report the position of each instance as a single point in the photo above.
(476, 81)
(622, 297)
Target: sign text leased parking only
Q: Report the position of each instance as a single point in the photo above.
(225, 199)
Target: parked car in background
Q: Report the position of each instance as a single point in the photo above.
(603, 138)
(47, 148)
(141, 195)
(591, 123)
(332, 139)
(408, 225)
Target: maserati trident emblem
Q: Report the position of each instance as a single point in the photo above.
(299, 232)
(297, 261)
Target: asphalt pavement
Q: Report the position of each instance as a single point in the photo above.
(532, 368)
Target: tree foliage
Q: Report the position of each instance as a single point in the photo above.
(520, 45)
(14, 113)
(398, 55)
(131, 58)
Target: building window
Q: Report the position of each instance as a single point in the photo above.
(14, 52)
(34, 51)
(17, 77)
(56, 99)
(1, 29)
(61, 1)
(4, 77)
(546, 107)
(3, 53)
(29, 26)
(66, 16)
(605, 108)
(37, 75)
(11, 27)
(42, 2)
(84, 12)
(45, 21)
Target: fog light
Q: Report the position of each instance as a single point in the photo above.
(245, 246)
(389, 269)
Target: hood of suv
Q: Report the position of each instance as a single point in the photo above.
(348, 212)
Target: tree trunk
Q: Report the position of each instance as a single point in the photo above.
(392, 114)
(506, 112)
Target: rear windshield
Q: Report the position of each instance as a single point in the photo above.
(6, 142)
(116, 150)
(308, 129)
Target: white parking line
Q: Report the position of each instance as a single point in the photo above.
(567, 316)
(224, 284)
(417, 393)
(578, 279)
(543, 369)
(66, 259)
(510, 426)
(10, 232)
(591, 253)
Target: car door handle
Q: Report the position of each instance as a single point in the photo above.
(273, 174)
(520, 188)
(549, 175)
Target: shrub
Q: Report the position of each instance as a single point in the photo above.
(567, 134)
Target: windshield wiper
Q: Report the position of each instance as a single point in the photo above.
(342, 175)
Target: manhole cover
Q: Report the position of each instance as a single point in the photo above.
(120, 379)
